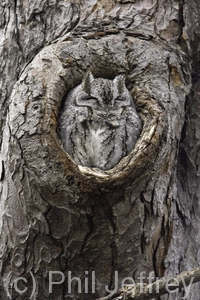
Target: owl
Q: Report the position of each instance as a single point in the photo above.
(99, 124)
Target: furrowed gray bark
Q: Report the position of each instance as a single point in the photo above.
(162, 286)
(140, 216)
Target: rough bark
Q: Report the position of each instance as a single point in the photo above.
(139, 216)
(160, 287)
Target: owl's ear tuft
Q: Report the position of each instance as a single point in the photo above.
(119, 82)
(87, 82)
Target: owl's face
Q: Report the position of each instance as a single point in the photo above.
(103, 94)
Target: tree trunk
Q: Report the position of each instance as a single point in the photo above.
(99, 226)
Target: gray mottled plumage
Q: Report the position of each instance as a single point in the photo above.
(99, 124)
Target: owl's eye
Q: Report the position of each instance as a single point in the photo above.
(120, 99)
(89, 98)
(87, 101)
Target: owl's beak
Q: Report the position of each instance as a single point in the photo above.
(108, 108)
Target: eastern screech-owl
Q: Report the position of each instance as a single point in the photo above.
(99, 124)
